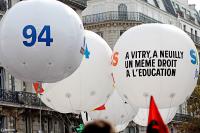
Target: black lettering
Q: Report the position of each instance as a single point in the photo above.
(155, 54)
(127, 73)
(127, 56)
(129, 64)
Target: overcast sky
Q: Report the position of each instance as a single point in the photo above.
(197, 2)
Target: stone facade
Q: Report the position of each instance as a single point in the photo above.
(110, 31)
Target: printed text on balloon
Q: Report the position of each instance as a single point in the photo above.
(33, 35)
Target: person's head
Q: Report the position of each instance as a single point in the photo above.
(99, 126)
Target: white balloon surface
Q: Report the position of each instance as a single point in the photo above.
(121, 127)
(86, 119)
(89, 86)
(117, 112)
(167, 115)
(155, 59)
(41, 40)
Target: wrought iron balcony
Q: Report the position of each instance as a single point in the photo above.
(118, 16)
(181, 117)
(20, 98)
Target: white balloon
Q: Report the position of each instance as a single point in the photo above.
(155, 59)
(89, 86)
(86, 119)
(167, 115)
(120, 128)
(41, 40)
(117, 111)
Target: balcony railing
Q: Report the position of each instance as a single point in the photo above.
(118, 16)
(181, 117)
(31, 99)
(127, 16)
(19, 98)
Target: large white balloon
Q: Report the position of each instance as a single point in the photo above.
(41, 40)
(89, 86)
(86, 119)
(155, 59)
(167, 115)
(117, 111)
(121, 127)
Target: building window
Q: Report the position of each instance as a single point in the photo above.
(28, 123)
(185, 11)
(100, 34)
(24, 86)
(3, 6)
(195, 35)
(180, 109)
(122, 12)
(189, 13)
(184, 27)
(1, 122)
(11, 82)
(192, 35)
(11, 122)
(177, 7)
(156, 3)
(2, 78)
(121, 32)
(173, 4)
(50, 125)
(9, 4)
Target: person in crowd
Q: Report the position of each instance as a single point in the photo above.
(99, 126)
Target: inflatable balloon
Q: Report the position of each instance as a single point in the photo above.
(116, 111)
(155, 59)
(41, 40)
(120, 128)
(86, 119)
(89, 86)
(167, 115)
